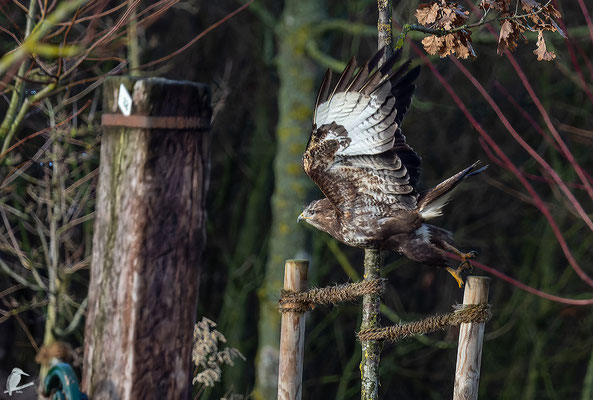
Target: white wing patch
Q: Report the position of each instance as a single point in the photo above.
(369, 120)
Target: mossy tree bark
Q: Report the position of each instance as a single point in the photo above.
(148, 239)
(297, 77)
(371, 350)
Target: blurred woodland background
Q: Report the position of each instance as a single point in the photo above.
(529, 214)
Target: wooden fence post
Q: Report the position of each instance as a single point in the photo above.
(471, 336)
(148, 239)
(292, 335)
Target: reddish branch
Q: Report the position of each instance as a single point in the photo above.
(565, 151)
(549, 170)
(527, 288)
(539, 203)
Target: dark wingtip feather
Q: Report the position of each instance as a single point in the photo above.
(390, 62)
(397, 74)
(383, 74)
(359, 78)
(345, 77)
(373, 62)
(323, 90)
(408, 78)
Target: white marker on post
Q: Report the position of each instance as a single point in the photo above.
(124, 100)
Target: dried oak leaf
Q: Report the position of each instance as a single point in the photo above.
(449, 45)
(452, 15)
(447, 21)
(535, 9)
(507, 38)
(498, 5)
(427, 14)
(461, 14)
(530, 5)
(432, 44)
(463, 45)
(552, 11)
(541, 51)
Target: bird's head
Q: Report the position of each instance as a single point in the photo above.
(19, 371)
(320, 213)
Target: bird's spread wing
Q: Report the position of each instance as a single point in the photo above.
(357, 154)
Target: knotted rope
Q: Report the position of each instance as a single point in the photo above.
(301, 302)
(463, 313)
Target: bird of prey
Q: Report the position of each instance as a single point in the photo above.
(358, 157)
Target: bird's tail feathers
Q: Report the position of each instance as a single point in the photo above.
(431, 203)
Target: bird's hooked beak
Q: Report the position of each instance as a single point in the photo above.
(300, 218)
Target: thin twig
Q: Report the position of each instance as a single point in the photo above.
(22, 281)
(443, 32)
(200, 35)
(75, 321)
(539, 203)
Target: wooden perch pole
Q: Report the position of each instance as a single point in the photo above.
(469, 351)
(292, 335)
(385, 28)
(371, 349)
(148, 239)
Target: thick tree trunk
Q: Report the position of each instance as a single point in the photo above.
(296, 96)
(148, 239)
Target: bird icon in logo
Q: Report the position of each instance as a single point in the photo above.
(12, 383)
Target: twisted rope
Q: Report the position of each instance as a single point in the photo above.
(463, 313)
(301, 302)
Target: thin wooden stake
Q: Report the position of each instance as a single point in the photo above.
(469, 352)
(292, 335)
(371, 349)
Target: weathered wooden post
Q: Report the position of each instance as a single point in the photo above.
(148, 239)
(292, 335)
(471, 336)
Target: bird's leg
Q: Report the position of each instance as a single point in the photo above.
(455, 274)
(465, 264)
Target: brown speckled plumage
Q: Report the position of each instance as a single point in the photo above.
(358, 157)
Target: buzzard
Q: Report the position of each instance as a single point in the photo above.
(358, 157)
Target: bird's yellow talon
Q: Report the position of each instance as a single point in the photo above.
(455, 275)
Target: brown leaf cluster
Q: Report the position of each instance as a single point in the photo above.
(446, 16)
(501, 6)
(541, 51)
(535, 17)
(454, 37)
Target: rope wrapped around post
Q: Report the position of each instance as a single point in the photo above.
(463, 313)
(301, 302)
